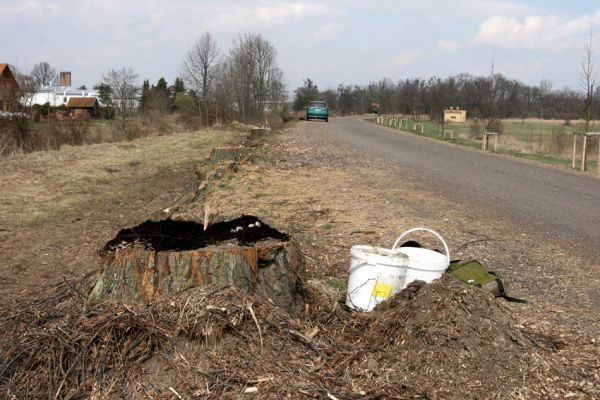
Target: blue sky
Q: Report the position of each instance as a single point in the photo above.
(332, 42)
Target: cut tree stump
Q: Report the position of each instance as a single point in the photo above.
(231, 153)
(258, 133)
(157, 258)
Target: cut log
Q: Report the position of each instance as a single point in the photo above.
(147, 263)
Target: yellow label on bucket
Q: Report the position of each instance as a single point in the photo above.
(382, 290)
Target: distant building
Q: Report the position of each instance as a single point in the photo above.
(65, 79)
(455, 115)
(83, 107)
(59, 95)
(9, 89)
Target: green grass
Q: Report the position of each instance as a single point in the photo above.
(338, 284)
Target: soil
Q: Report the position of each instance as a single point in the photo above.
(168, 235)
(444, 340)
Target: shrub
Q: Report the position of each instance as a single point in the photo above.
(495, 125)
(475, 129)
(558, 141)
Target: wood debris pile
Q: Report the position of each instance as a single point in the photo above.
(438, 341)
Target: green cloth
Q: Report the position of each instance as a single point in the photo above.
(475, 273)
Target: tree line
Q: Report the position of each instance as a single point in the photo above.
(482, 96)
(217, 86)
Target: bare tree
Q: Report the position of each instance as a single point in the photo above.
(200, 69)
(43, 73)
(494, 123)
(255, 76)
(224, 93)
(588, 81)
(123, 92)
(545, 88)
(28, 86)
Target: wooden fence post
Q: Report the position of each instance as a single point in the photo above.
(495, 142)
(484, 143)
(583, 153)
(598, 162)
(574, 149)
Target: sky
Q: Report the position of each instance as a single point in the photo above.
(330, 42)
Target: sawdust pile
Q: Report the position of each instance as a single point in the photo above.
(439, 341)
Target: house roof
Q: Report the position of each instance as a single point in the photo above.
(82, 102)
(454, 111)
(4, 68)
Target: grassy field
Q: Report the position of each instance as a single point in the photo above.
(59, 207)
(50, 183)
(548, 141)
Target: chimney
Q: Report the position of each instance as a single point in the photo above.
(65, 79)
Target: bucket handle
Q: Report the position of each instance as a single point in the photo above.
(422, 228)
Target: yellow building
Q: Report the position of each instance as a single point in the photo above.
(455, 115)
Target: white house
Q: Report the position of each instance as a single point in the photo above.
(59, 94)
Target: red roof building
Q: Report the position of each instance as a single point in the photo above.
(83, 107)
(9, 89)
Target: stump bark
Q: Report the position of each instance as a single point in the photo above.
(231, 153)
(143, 270)
(258, 133)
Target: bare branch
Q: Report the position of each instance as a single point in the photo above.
(43, 73)
(123, 91)
(587, 79)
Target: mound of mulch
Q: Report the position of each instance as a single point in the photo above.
(445, 340)
(448, 339)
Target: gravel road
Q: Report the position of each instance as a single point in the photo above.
(555, 202)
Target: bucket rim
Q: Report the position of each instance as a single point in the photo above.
(373, 255)
(437, 262)
(425, 229)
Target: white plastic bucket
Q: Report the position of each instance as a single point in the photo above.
(375, 274)
(424, 265)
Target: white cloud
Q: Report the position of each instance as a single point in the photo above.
(547, 32)
(267, 15)
(30, 8)
(327, 31)
(448, 45)
(400, 60)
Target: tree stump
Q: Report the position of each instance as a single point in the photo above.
(258, 133)
(157, 258)
(230, 153)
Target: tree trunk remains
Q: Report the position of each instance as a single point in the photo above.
(231, 153)
(141, 273)
(258, 133)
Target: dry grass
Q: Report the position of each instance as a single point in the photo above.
(439, 337)
(41, 185)
(444, 340)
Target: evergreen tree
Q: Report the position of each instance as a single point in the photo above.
(105, 98)
(304, 94)
(177, 91)
(144, 96)
(162, 85)
(179, 86)
(156, 98)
